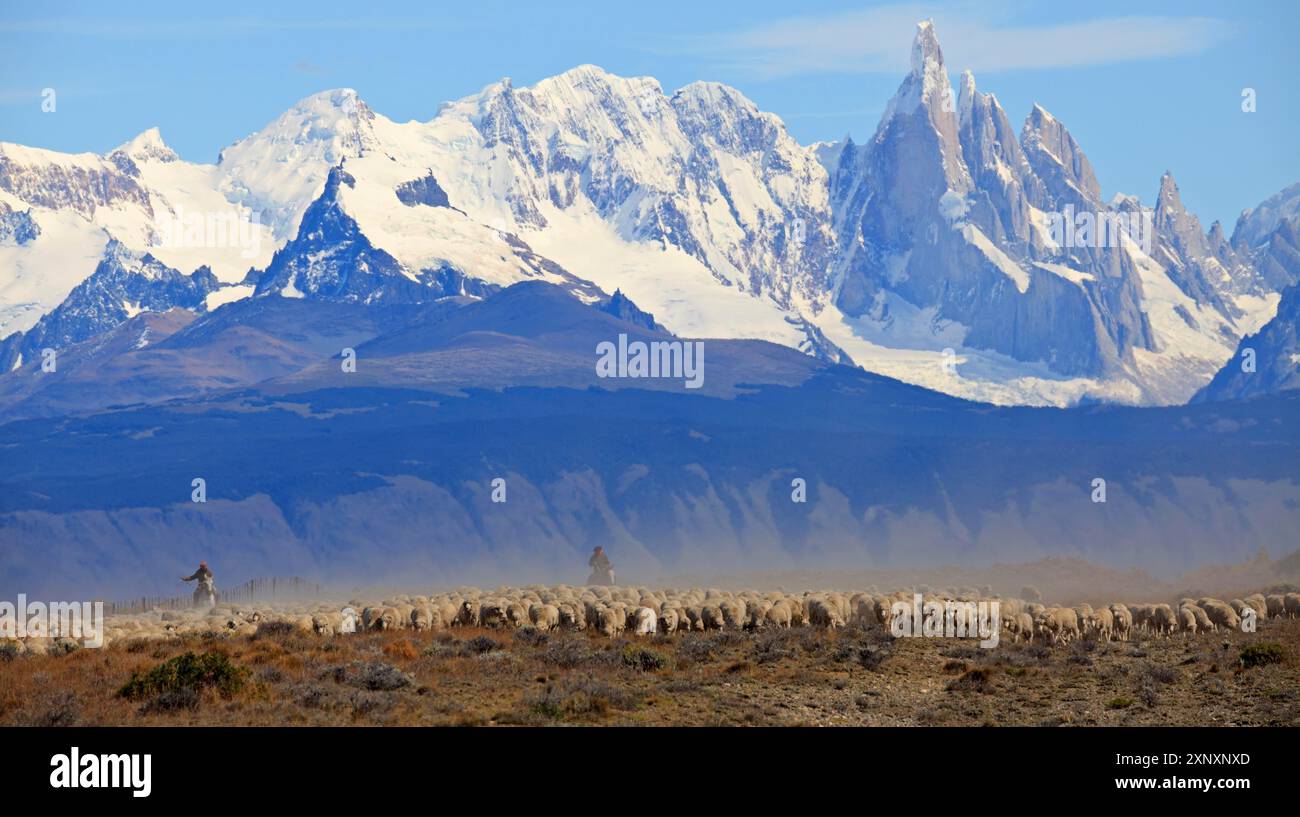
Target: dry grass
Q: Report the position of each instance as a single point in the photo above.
(473, 676)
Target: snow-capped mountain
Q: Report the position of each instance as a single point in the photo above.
(1266, 362)
(1255, 225)
(942, 252)
(124, 284)
(947, 241)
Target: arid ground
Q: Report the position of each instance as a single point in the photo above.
(798, 676)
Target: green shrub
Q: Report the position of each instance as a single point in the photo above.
(187, 673)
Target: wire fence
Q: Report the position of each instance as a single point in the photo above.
(268, 589)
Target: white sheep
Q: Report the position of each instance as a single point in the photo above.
(643, 621)
(544, 616)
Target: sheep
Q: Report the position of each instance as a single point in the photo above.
(517, 615)
(756, 614)
(1025, 625)
(1018, 625)
(884, 611)
(1203, 622)
(628, 609)
(778, 615)
(842, 606)
(1142, 615)
(712, 617)
(825, 613)
(862, 610)
(733, 614)
(1102, 623)
(667, 620)
(1221, 614)
(1291, 605)
(446, 609)
(1084, 612)
(492, 614)
(380, 618)
(469, 614)
(797, 616)
(572, 616)
(421, 618)
(1059, 625)
(1123, 619)
(1163, 619)
(404, 614)
(695, 617)
(1275, 606)
(608, 621)
(643, 621)
(1256, 602)
(544, 617)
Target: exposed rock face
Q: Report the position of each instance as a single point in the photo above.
(1255, 225)
(424, 190)
(122, 285)
(82, 185)
(621, 307)
(1266, 362)
(17, 226)
(941, 210)
(1277, 259)
(331, 259)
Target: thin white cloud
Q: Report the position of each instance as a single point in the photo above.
(878, 40)
(149, 29)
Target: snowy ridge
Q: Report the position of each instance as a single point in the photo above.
(928, 245)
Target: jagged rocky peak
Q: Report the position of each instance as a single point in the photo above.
(927, 56)
(987, 136)
(1174, 222)
(124, 283)
(1056, 158)
(1002, 177)
(1256, 224)
(621, 307)
(281, 168)
(926, 87)
(1216, 237)
(926, 92)
(1187, 253)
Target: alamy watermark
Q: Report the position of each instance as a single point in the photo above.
(1068, 228)
(77, 770)
(58, 619)
(237, 227)
(947, 619)
(680, 359)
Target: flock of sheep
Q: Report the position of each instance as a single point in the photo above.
(612, 611)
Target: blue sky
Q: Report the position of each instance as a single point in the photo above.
(1143, 88)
